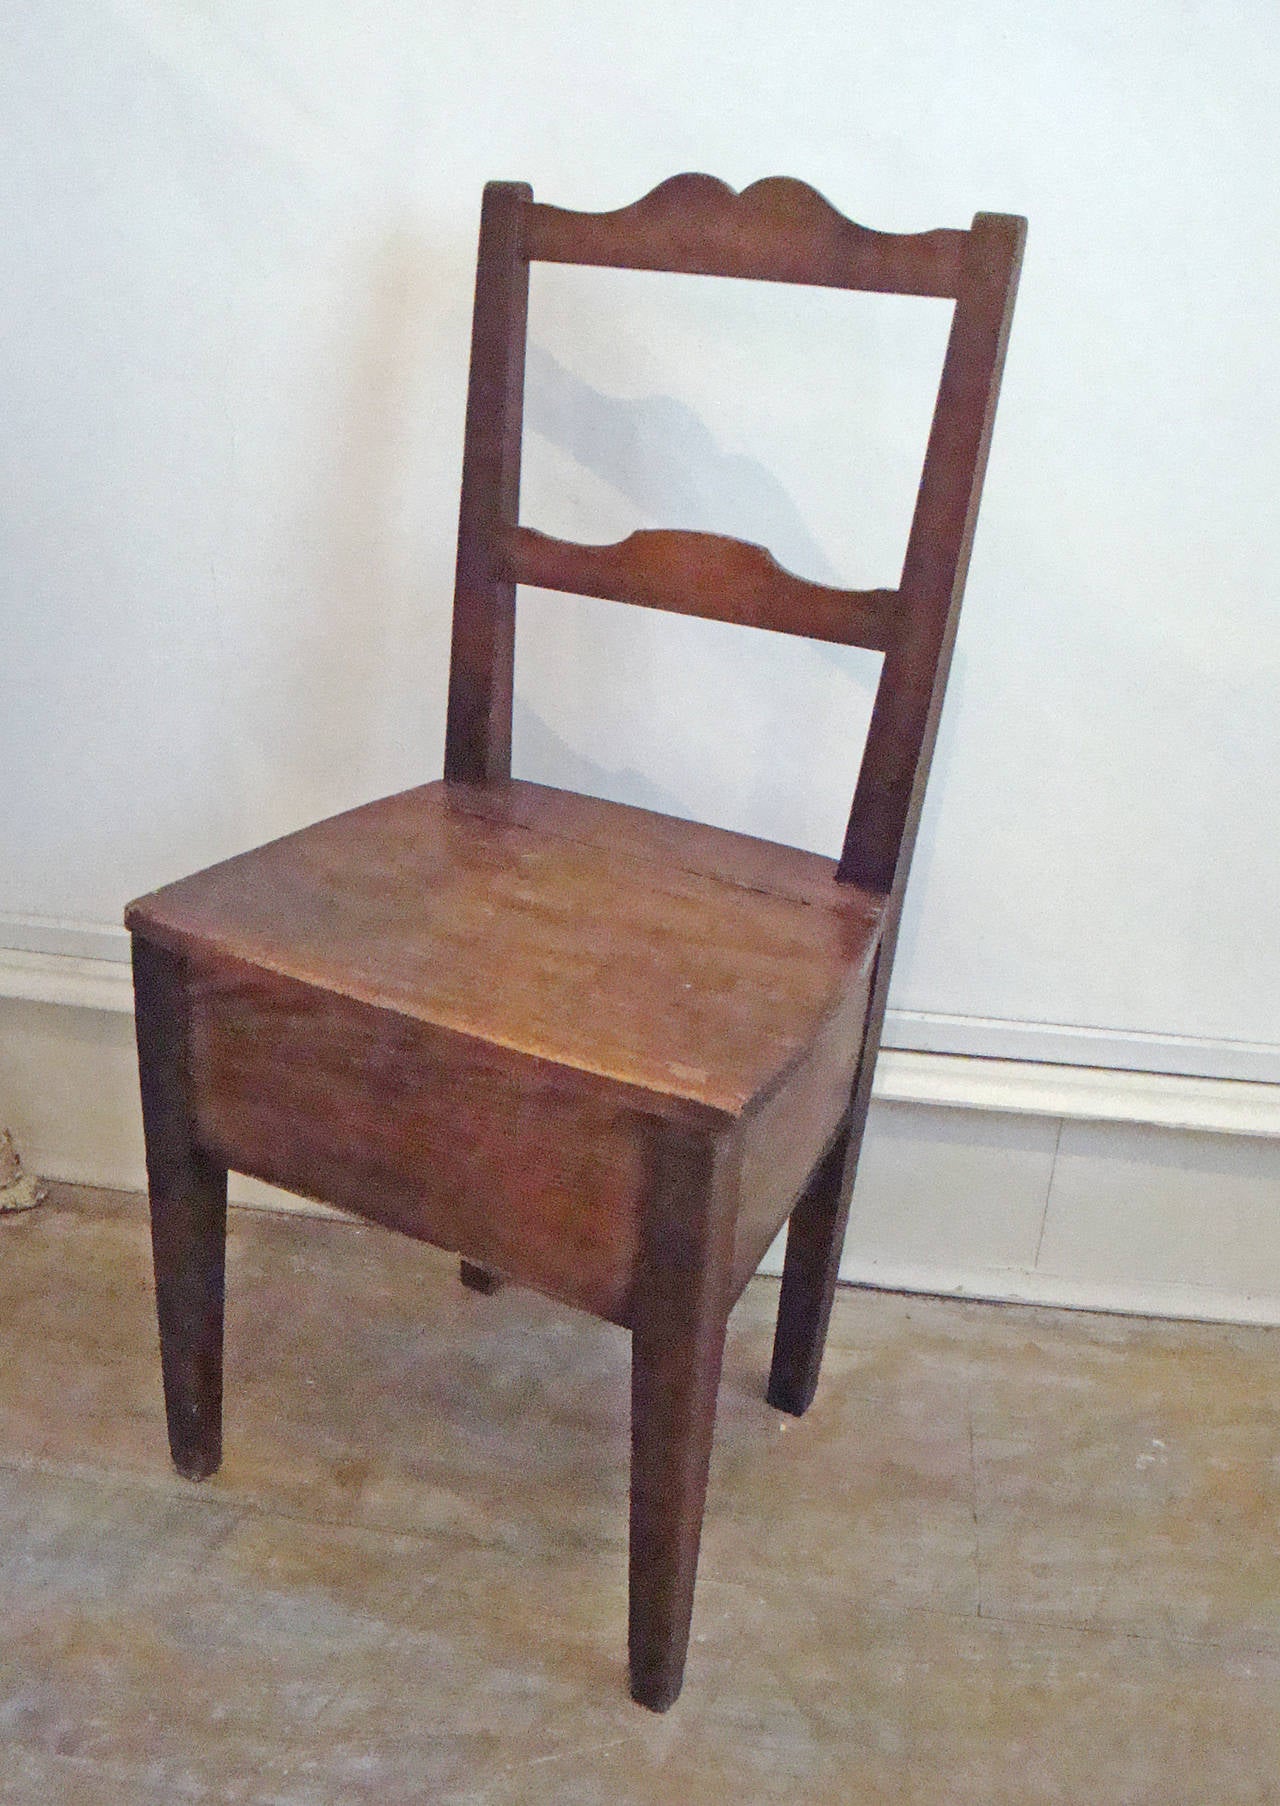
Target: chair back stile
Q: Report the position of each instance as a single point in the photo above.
(482, 661)
(904, 721)
(776, 230)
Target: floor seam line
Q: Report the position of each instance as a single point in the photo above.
(245, 1507)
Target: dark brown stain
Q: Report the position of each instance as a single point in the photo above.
(597, 1051)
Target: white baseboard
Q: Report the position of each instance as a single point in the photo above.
(1079, 1093)
(1108, 1048)
(910, 1070)
(1201, 1304)
(51, 960)
(1156, 1194)
(36, 975)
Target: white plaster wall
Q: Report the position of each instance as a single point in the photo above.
(239, 243)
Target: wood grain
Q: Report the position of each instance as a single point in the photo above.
(507, 1162)
(703, 574)
(665, 841)
(596, 1050)
(777, 230)
(671, 987)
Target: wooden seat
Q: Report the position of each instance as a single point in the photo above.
(594, 1050)
(527, 938)
(710, 959)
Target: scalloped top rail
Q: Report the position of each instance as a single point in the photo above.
(777, 230)
(702, 574)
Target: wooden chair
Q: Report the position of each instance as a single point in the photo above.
(597, 1051)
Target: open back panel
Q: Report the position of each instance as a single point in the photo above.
(777, 230)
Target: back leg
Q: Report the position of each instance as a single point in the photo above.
(816, 1230)
(479, 1279)
(815, 1238)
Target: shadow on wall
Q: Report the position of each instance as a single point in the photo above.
(309, 747)
(796, 711)
(536, 747)
(659, 455)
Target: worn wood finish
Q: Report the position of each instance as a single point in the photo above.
(387, 1013)
(188, 1189)
(664, 841)
(592, 1049)
(503, 1159)
(677, 1345)
(482, 665)
(777, 230)
(710, 959)
(703, 574)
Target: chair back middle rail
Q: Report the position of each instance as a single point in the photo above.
(703, 574)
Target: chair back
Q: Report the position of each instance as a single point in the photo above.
(777, 230)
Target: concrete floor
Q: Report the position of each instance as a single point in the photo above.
(1011, 1555)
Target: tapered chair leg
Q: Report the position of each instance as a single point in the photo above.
(188, 1218)
(816, 1229)
(479, 1279)
(677, 1347)
(815, 1237)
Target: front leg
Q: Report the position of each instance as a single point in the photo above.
(188, 1216)
(677, 1343)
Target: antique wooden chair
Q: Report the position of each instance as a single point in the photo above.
(597, 1051)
